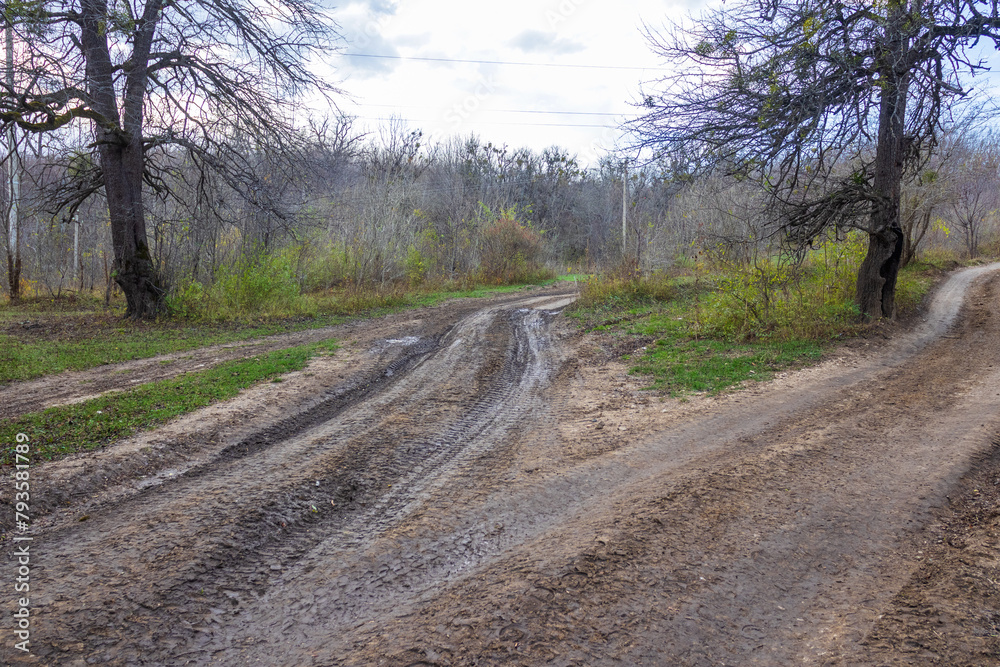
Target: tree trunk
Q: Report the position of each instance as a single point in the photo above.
(14, 183)
(876, 292)
(119, 139)
(14, 274)
(876, 288)
(133, 266)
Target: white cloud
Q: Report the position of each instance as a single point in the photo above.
(362, 25)
(537, 41)
(492, 100)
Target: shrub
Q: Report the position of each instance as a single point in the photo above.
(624, 284)
(263, 284)
(257, 283)
(510, 252)
(187, 300)
(416, 268)
(783, 297)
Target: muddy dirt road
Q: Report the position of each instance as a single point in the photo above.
(478, 484)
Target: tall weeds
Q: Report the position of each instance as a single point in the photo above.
(777, 297)
(786, 297)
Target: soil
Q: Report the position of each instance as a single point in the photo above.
(481, 484)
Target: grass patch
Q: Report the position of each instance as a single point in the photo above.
(77, 343)
(64, 430)
(43, 338)
(710, 330)
(712, 366)
(682, 358)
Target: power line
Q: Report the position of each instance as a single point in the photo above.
(479, 122)
(499, 62)
(533, 111)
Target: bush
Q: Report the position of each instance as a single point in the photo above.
(625, 283)
(416, 267)
(779, 298)
(325, 266)
(510, 252)
(187, 300)
(258, 283)
(263, 284)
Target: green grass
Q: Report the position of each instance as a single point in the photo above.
(713, 366)
(23, 359)
(63, 430)
(701, 338)
(67, 340)
(681, 359)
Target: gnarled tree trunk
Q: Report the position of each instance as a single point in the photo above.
(120, 146)
(134, 270)
(876, 287)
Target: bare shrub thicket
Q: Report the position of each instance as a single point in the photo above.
(387, 208)
(361, 209)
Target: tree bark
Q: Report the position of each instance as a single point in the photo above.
(14, 274)
(119, 140)
(134, 270)
(876, 291)
(876, 287)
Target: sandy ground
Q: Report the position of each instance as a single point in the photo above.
(480, 484)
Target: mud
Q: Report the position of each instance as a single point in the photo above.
(482, 485)
(77, 386)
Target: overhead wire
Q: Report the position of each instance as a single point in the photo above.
(499, 62)
(485, 122)
(513, 111)
(535, 111)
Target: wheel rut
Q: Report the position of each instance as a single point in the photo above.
(330, 478)
(502, 497)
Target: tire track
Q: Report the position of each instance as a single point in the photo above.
(364, 581)
(769, 531)
(329, 408)
(419, 526)
(17, 398)
(205, 545)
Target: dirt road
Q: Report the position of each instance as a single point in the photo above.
(477, 484)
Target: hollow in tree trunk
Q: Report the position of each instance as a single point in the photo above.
(876, 290)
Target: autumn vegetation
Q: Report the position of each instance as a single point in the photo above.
(840, 156)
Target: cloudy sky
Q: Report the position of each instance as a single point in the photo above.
(533, 73)
(548, 72)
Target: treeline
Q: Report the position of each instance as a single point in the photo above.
(350, 208)
(389, 207)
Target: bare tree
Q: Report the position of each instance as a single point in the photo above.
(974, 189)
(216, 78)
(827, 104)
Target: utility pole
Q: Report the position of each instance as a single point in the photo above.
(625, 209)
(14, 181)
